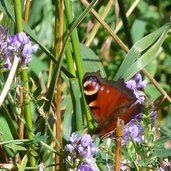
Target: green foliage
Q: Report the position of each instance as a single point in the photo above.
(149, 25)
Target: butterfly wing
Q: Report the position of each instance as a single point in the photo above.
(116, 100)
(109, 100)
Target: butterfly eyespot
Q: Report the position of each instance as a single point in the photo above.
(91, 87)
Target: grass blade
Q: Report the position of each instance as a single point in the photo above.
(138, 48)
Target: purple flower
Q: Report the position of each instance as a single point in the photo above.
(86, 140)
(3, 33)
(81, 151)
(27, 52)
(74, 138)
(124, 165)
(7, 63)
(85, 167)
(136, 84)
(131, 84)
(22, 38)
(86, 153)
(69, 148)
(166, 166)
(154, 115)
(140, 83)
(138, 117)
(132, 130)
(140, 97)
(18, 45)
(94, 149)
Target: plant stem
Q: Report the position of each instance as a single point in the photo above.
(58, 49)
(78, 59)
(27, 112)
(20, 124)
(27, 9)
(119, 135)
(68, 53)
(74, 40)
(58, 66)
(18, 15)
(24, 77)
(125, 23)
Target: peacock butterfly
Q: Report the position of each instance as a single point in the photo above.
(109, 100)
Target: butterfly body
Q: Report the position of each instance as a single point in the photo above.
(109, 100)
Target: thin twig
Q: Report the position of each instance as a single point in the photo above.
(126, 49)
(20, 123)
(107, 27)
(27, 9)
(97, 25)
(9, 80)
(119, 135)
(58, 49)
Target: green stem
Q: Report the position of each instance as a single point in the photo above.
(55, 77)
(52, 133)
(27, 113)
(68, 53)
(125, 23)
(78, 59)
(18, 15)
(74, 40)
(27, 107)
(24, 77)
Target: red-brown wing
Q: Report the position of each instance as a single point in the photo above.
(106, 100)
(109, 100)
(110, 96)
(116, 100)
(125, 112)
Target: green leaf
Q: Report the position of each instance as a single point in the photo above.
(23, 163)
(150, 45)
(38, 137)
(37, 66)
(10, 122)
(67, 120)
(162, 140)
(162, 152)
(145, 59)
(151, 91)
(6, 7)
(5, 129)
(76, 97)
(16, 147)
(51, 149)
(159, 149)
(19, 141)
(139, 24)
(91, 62)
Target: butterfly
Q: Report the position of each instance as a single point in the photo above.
(108, 100)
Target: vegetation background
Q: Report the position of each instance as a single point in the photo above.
(72, 42)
